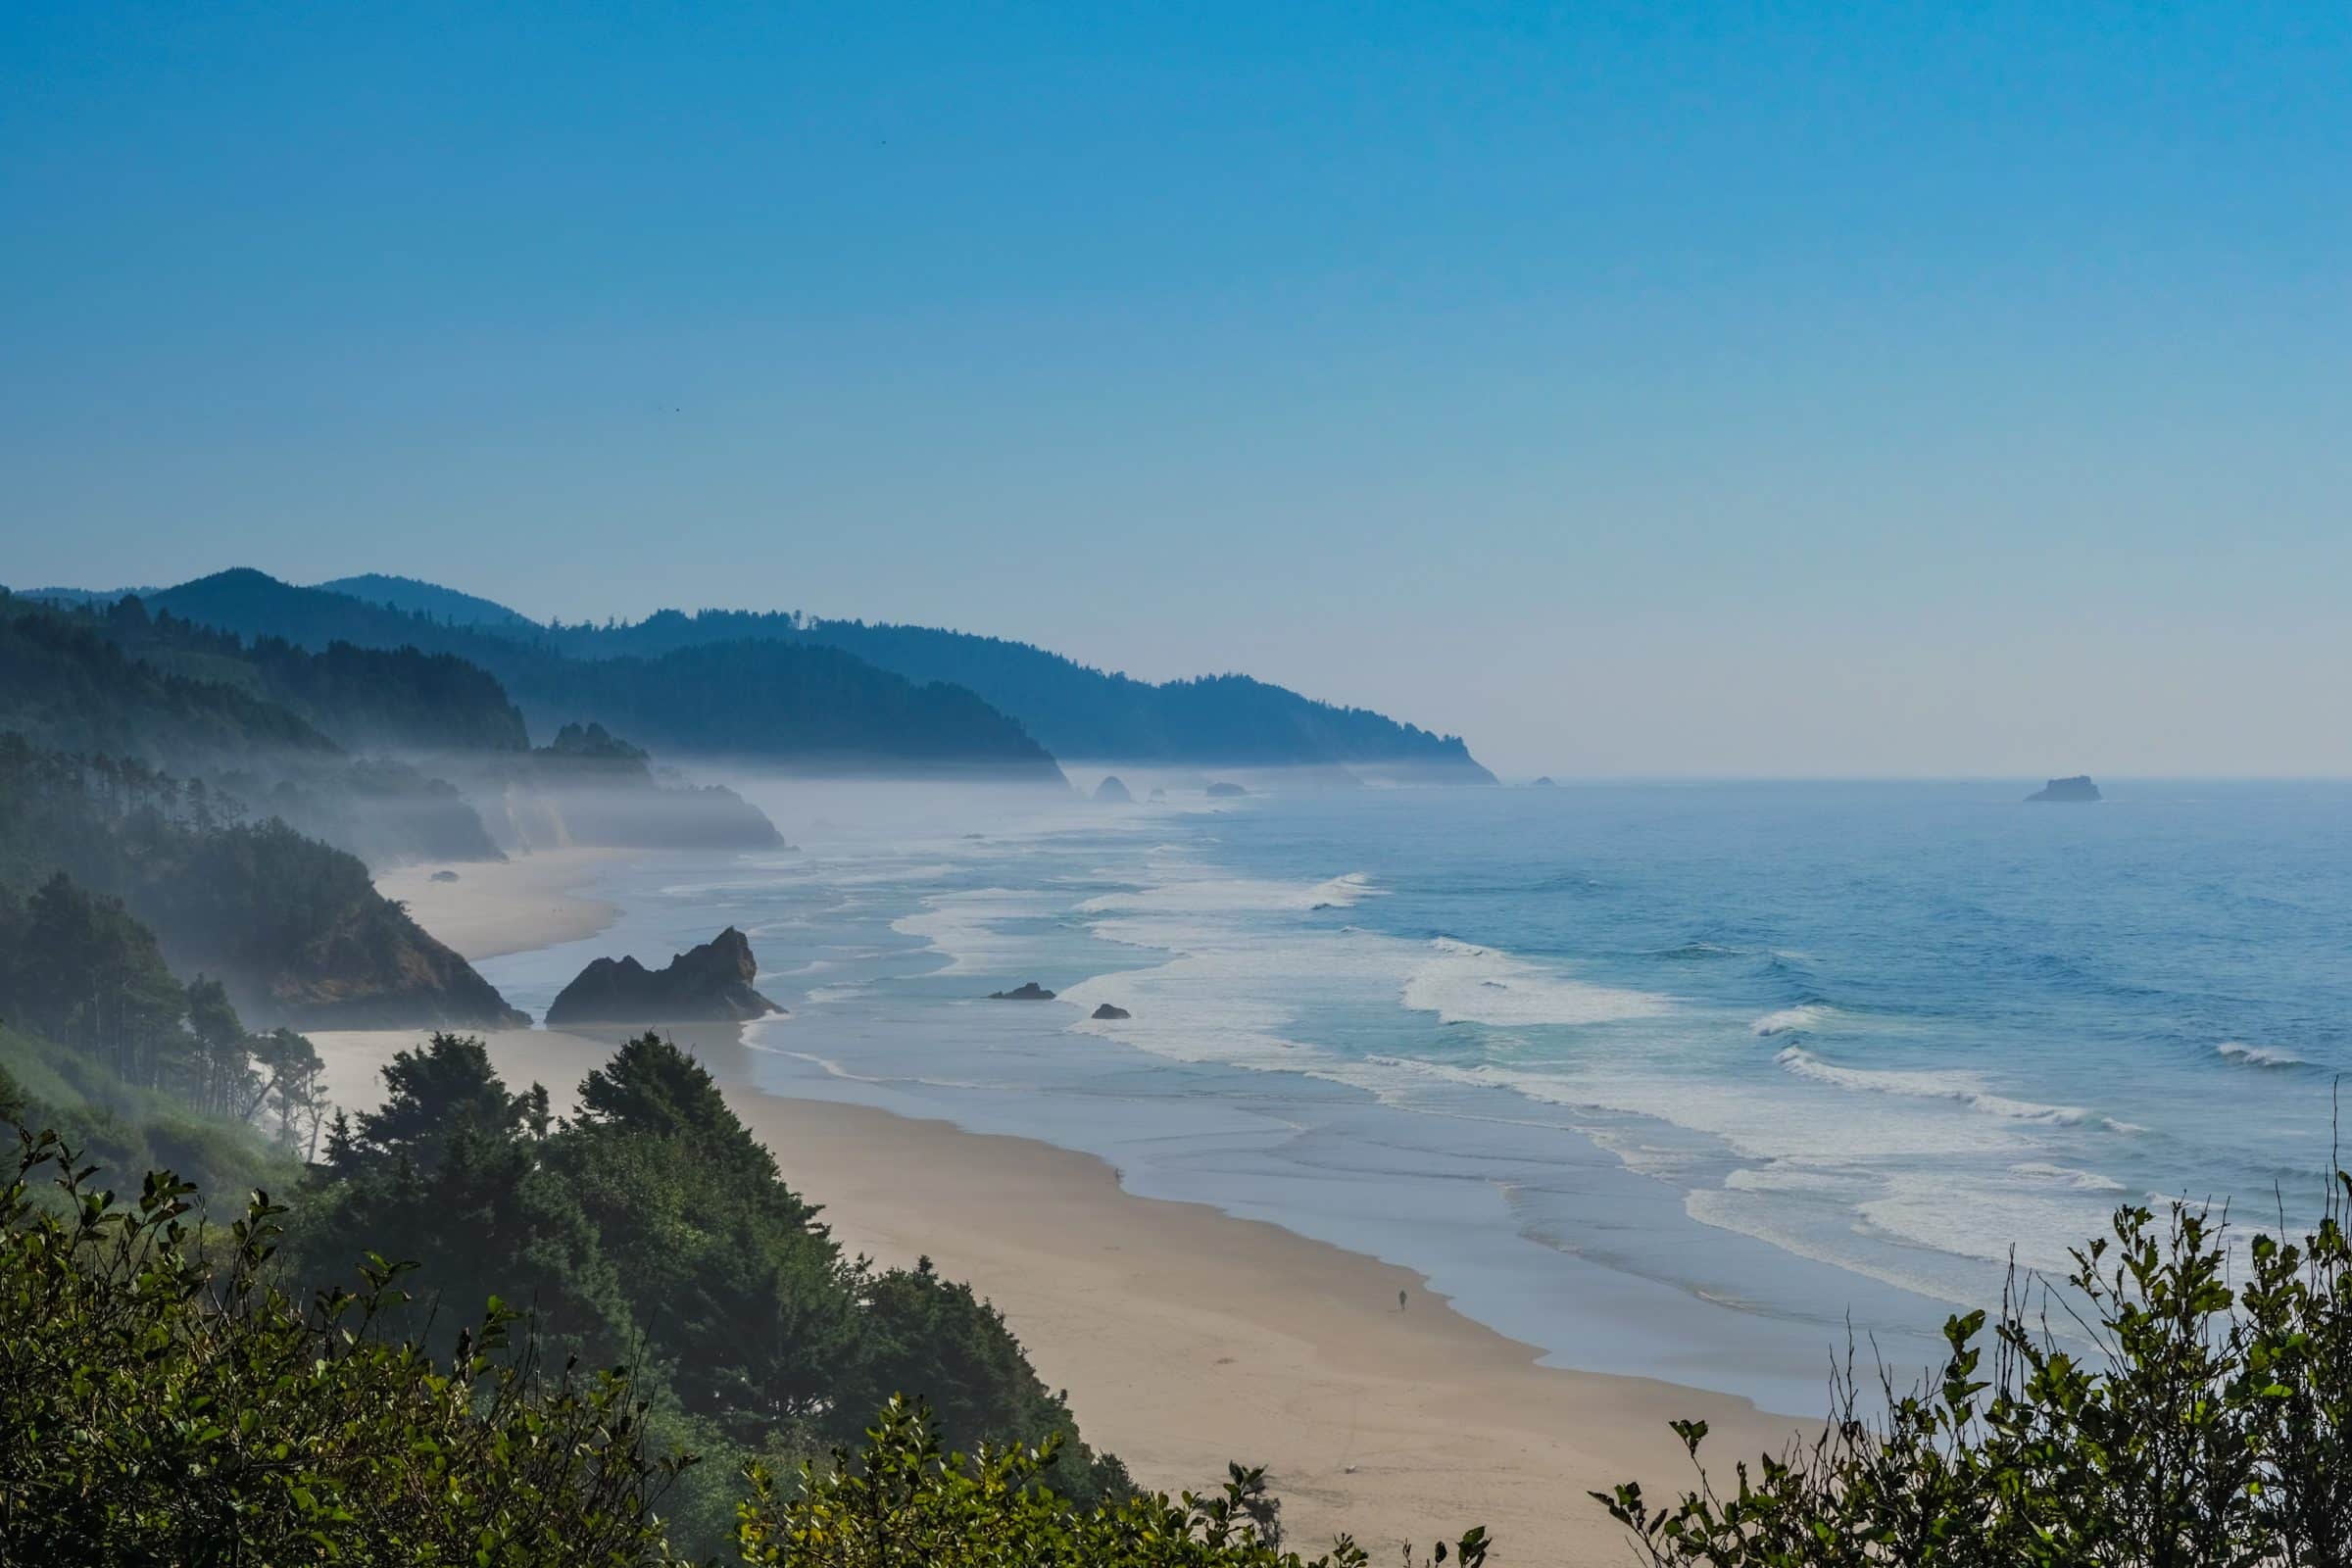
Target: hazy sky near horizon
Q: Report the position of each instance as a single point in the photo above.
(1720, 390)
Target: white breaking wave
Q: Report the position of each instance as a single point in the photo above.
(1235, 896)
(1964, 1087)
(963, 926)
(1789, 1020)
(2081, 1181)
(1466, 984)
(2259, 1055)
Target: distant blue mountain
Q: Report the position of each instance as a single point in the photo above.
(1068, 708)
(805, 707)
(1074, 711)
(445, 605)
(80, 596)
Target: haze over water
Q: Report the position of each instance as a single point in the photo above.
(1659, 1079)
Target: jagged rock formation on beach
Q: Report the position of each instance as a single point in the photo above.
(1108, 1012)
(711, 983)
(1031, 991)
(2078, 788)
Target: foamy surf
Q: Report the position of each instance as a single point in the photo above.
(2259, 1055)
(1789, 1021)
(1966, 1087)
(1466, 984)
(1235, 896)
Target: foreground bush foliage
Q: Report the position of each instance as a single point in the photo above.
(2198, 1423)
(165, 1403)
(903, 1503)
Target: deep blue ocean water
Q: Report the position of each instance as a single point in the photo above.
(1679, 1079)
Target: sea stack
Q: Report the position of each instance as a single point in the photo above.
(1112, 790)
(1106, 1012)
(1029, 992)
(711, 983)
(2078, 788)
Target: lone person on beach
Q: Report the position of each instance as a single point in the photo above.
(1400, 1301)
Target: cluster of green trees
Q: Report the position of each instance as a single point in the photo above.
(361, 698)
(102, 1041)
(63, 683)
(653, 1229)
(77, 967)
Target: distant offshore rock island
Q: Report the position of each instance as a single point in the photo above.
(711, 983)
(2078, 788)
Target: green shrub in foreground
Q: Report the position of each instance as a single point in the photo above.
(166, 1404)
(902, 1504)
(2207, 1425)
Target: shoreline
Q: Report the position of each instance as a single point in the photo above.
(1186, 1336)
(496, 908)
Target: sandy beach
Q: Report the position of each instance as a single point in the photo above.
(499, 906)
(1186, 1336)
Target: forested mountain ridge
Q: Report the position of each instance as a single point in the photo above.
(119, 684)
(431, 598)
(67, 685)
(1074, 710)
(795, 704)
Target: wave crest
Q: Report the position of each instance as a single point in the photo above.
(1965, 1088)
(2259, 1055)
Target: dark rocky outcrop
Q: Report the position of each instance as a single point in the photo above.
(711, 983)
(445, 876)
(1544, 783)
(1224, 790)
(2078, 788)
(1030, 992)
(1108, 1012)
(1113, 790)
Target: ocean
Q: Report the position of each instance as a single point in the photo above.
(1699, 1082)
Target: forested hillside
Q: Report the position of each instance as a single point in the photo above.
(799, 705)
(294, 928)
(1072, 710)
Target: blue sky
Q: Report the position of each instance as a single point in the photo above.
(1717, 390)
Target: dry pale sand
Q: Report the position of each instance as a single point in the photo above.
(1186, 1337)
(500, 907)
